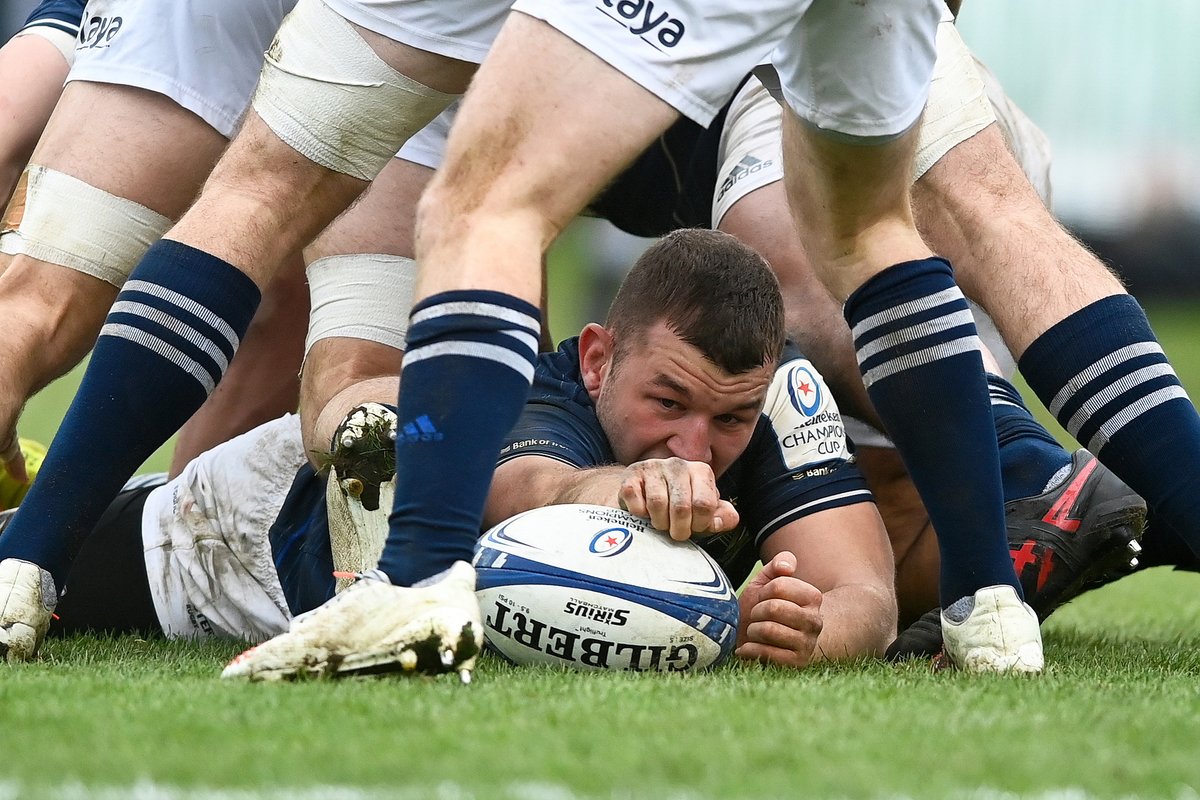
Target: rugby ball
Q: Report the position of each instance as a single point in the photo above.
(593, 587)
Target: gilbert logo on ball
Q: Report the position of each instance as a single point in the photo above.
(593, 587)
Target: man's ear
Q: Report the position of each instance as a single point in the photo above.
(595, 356)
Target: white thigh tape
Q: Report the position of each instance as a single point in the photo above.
(75, 225)
(62, 41)
(325, 93)
(361, 297)
(958, 106)
(11, 244)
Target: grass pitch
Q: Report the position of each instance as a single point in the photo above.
(1116, 715)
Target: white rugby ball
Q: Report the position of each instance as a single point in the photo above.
(593, 587)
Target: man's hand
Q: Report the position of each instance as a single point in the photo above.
(678, 496)
(780, 616)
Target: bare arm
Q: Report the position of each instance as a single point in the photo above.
(827, 591)
(677, 496)
(535, 481)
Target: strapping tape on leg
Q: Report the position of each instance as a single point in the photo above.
(62, 41)
(75, 225)
(11, 244)
(325, 92)
(958, 107)
(361, 297)
(10, 239)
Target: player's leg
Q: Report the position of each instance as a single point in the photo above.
(361, 275)
(1084, 345)
(915, 338)
(185, 309)
(750, 165)
(187, 106)
(540, 108)
(497, 203)
(1071, 523)
(95, 202)
(154, 92)
(263, 202)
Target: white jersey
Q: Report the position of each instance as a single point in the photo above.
(205, 534)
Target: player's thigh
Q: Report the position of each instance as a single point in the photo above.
(382, 220)
(132, 143)
(546, 133)
(977, 207)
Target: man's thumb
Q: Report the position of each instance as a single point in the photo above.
(783, 565)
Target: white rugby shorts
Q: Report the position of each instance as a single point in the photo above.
(461, 29)
(203, 54)
(751, 151)
(860, 69)
(205, 533)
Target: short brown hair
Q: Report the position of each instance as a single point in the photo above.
(716, 293)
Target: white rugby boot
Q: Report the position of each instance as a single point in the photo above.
(361, 486)
(374, 627)
(27, 600)
(992, 631)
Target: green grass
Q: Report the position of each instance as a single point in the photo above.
(1117, 714)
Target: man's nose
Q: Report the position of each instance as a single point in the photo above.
(691, 441)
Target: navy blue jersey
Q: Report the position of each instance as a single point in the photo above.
(300, 543)
(798, 461)
(63, 15)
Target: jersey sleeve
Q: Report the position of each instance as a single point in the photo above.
(799, 461)
(570, 435)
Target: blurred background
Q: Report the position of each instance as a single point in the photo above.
(1115, 86)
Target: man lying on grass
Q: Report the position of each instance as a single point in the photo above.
(685, 407)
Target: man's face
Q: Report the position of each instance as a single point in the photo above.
(663, 398)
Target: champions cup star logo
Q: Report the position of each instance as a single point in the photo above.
(804, 390)
(610, 542)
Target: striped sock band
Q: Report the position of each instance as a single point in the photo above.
(919, 354)
(466, 377)
(165, 344)
(1103, 375)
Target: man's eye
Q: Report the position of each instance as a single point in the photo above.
(668, 403)
(729, 419)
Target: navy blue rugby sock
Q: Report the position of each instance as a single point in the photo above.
(1030, 457)
(466, 376)
(165, 344)
(1104, 377)
(919, 353)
